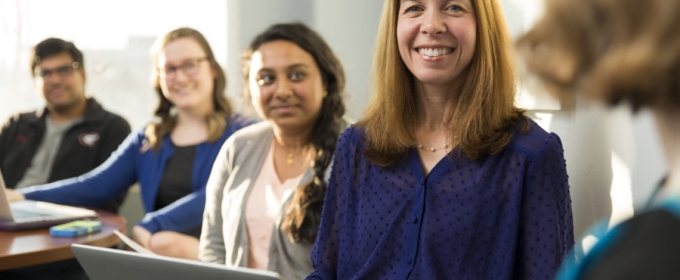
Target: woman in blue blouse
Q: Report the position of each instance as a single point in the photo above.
(444, 178)
(171, 159)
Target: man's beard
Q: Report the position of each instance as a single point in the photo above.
(63, 107)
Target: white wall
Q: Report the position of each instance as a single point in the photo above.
(114, 37)
(350, 27)
(247, 18)
(613, 160)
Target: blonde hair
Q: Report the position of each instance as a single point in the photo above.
(483, 116)
(612, 51)
(217, 121)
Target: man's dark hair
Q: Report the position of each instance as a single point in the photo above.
(54, 46)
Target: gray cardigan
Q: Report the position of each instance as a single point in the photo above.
(224, 238)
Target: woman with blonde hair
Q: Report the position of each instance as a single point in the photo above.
(615, 51)
(444, 177)
(171, 158)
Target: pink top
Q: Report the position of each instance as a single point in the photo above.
(263, 205)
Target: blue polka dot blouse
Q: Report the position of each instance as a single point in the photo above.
(506, 216)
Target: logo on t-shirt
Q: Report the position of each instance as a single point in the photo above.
(88, 139)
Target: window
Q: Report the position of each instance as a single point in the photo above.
(115, 38)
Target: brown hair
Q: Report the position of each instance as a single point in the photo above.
(303, 213)
(483, 116)
(613, 51)
(217, 121)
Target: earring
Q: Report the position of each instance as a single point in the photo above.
(173, 111)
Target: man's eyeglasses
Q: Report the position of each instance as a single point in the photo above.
(189, 67)
(62, 71)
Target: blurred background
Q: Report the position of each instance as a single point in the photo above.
(608, 151)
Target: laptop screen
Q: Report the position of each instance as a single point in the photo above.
(36, 214)
(5, 211)
(109, 264)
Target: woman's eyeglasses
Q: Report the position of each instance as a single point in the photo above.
(189, 67)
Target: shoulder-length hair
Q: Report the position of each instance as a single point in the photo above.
(217, 121)
(303, 213)
(482, 117)
(610, 51)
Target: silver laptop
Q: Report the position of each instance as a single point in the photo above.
(111, 264)
(29, 214)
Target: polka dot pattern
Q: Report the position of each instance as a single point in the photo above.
(506, 216)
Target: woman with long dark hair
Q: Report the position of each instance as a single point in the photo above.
(266, 190)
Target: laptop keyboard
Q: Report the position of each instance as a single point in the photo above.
(24, 215)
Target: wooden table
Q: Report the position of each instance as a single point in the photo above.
(33, 247)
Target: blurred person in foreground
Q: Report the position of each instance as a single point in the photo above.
(615, 51)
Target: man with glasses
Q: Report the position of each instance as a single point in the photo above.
(72, 135)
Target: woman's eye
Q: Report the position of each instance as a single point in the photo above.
(454, 8)
(296, 76)
(265, 80)
(413, 9)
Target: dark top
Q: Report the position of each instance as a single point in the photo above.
(176, 181)
(84, 146)
(506, 216)
(645, 246)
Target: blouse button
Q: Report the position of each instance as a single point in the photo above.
(415, 220)
(409, 260)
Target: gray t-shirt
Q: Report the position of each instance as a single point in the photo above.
(41, 165)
